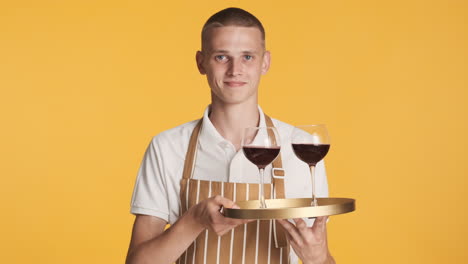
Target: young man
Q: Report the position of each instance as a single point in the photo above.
(186, 190)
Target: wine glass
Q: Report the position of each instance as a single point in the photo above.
(261, 145)
(310, 144)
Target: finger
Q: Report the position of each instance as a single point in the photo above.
(234, 222)
(289, 238)
(225, 202)
(218, 203)
(300, 224)
(292, 230)
(235, 206)
(292, 243)
(322, 221)
(221, 219)
(241, 221)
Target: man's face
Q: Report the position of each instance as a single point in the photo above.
(233, 59)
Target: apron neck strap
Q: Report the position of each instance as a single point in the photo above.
(277, 173)
(191, 151)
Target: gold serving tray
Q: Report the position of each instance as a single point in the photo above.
(290, 208)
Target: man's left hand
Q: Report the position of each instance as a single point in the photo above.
(309, 243)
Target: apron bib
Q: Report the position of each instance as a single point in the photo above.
(258, 242)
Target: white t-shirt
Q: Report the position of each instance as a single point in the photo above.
(157, 186)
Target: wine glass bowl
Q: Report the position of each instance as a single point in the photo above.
(261, 156)
(311, 143)
(261, 145)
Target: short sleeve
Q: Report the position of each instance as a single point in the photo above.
(150, 191)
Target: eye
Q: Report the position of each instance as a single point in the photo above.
(220, 57)
(248, 57)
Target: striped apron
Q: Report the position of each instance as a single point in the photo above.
(257, 242)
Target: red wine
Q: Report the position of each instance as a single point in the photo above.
(311, 153)
(261, 156)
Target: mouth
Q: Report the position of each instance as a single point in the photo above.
(234, 83)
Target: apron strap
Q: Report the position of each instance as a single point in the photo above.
(191, 151)
(277, 175)
(278, 171)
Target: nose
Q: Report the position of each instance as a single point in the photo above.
(235, 67)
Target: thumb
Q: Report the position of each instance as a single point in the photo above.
(225, 202)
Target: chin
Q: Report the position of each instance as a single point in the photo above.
(237, 97)
(236, 100)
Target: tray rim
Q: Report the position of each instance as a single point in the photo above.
(330, 206)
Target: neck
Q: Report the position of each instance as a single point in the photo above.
(231, 120)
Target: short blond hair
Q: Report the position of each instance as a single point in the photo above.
(232, 16)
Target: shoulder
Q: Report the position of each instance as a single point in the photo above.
(174, 138)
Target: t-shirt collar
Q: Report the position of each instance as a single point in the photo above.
(209, 136)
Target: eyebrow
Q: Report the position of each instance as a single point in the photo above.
(219, 51)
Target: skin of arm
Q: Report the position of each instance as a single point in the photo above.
(309, 243)
(151, 244)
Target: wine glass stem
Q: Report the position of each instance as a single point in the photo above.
(262, 196)
(312, 175)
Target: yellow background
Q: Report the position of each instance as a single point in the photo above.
(86, 84)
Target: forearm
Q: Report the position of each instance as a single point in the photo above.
(168, 246)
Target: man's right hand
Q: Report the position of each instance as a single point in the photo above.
(207, 214)
(151, 244)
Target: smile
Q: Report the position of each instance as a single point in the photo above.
(234, 84)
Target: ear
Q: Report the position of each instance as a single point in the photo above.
(266, 62)
(199, 58)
